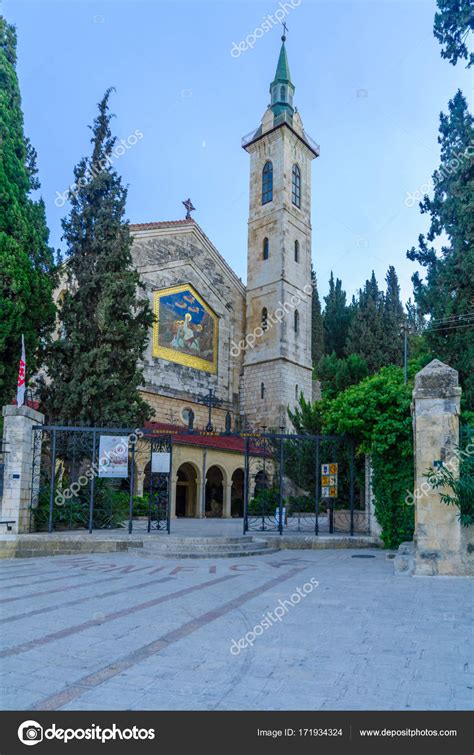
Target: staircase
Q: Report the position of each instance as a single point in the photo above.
(169, 546)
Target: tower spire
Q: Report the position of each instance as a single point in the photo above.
(281, 88)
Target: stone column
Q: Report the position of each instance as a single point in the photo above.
(199, 499)
(18, 446)
(227, 507)
(436, 407)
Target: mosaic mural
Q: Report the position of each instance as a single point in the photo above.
(186, 328)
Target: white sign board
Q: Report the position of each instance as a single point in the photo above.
(161, 462)
(113, 456)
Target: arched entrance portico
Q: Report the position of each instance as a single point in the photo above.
(237, 494)
(186, 491)
(214, 492)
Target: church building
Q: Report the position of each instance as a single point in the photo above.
(244, 349)
(250, 344)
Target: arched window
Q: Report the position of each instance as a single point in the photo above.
(297, 392)
(262, 390)
(264, 319)
(297, 321)
(265, 248)
(296, 186)
(297, 251)
(282, 93)
(267, 183)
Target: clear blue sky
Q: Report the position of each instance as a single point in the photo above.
(370, 84)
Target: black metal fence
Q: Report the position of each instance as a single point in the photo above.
(302, 483)
(87, 478)
(112, 478)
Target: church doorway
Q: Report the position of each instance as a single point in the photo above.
(237, 494)
(214, 492)
(186, 491)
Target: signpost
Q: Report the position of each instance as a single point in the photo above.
(329, 480)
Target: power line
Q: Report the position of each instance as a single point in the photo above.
(445, 328)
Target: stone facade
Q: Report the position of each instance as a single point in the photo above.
(169, 254)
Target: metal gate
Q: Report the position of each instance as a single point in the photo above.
(100, 479)
(304, 483)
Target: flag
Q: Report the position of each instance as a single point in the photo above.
(20, 392)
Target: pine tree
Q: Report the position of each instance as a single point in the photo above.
(105, 317)
(394, 320)
(366, 334)
(317, 330)
(452, 25)
(447, 292)
(336, 319)
(26, 260)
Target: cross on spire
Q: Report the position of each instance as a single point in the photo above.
(189, 208)
(285, 29)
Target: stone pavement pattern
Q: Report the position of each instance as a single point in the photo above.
(116, 632)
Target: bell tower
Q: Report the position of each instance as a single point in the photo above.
(277, 360)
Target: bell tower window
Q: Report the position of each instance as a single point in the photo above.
(267, 183)
(264, 319)
(297, 251)
(296, 186)
(265, 248)
(296, 321)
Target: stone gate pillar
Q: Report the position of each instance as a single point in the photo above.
(18, 444)
(439, 542)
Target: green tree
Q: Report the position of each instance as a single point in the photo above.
(366, 336)
(317, 328)
(336, 318)
(452, 24)
(338, 374)
(26, 260)
(376, 414)
(447, 292)
(105, 316)
(394, 319)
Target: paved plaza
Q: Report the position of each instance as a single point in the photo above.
(115, 631)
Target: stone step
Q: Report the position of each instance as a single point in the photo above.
(211, 553)
(217, 547)
(198, 540)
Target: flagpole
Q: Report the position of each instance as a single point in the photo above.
(21, 385)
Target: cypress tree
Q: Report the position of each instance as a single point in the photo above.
(446, 294)
(366, 336)
(26, 260)
(105, 317)
(336, 319)
(394, 320)
(317, 329)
